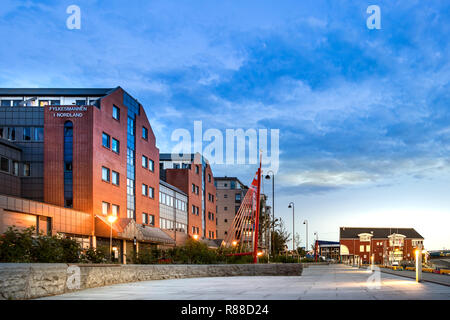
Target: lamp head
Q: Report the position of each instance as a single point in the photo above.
(267, 177)
(112, 219)
(289, 206)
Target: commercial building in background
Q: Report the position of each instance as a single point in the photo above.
(173, 212)
(387, 245)
(328, 249)
(230, 192)
(192, 174)
(88, 150)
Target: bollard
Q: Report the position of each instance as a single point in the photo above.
(418, 253)
(372, 258)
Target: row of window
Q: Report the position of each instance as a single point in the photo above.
(148, 219)
(114, 209)
(169, 225)
(195, 230)
(211, 216)
(12, 166)
(28, 133)
(195, 189)
(148, 163)
(106, 142)
(195, 210)
(170, 201)
(148, 191)
(211, 234)
(107, 177)
(210, 197)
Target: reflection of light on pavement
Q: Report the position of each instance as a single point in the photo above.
(404, 283)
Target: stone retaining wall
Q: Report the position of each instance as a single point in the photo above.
(33, 280)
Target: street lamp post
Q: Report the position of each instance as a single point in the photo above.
(291, 205)
(111, 220)
(273, 206)
(306, 223)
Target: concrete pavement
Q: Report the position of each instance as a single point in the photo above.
(317, 282)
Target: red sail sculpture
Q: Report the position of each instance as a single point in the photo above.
(244, 231)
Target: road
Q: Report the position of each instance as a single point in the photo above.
(317, 282)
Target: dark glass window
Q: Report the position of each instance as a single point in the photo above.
(6, 103)
(27, 133)
(68, 170)
(106, 140)
(4, 164)
(115, 145)
(144, 161)
(151, 220)
(144, 218)
(145, 133)
(116, 113)
(26, 170)
(105, 174)
(55, 102)
(80, 102)
(151, 165)
(115, 178)
(16, 103)
(38, 134)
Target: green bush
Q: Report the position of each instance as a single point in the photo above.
(95, 255)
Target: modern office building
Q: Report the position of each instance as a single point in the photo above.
(386, 245)
(88, 150)
(328, 249)
(192, 174)
(230, 192)
(173, 212)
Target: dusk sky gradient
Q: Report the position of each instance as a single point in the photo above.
(364, 115)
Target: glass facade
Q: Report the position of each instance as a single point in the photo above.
(68, 159)
(133, 110)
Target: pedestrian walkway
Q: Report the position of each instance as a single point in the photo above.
(317, 282)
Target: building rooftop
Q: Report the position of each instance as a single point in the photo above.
(55, 91)
(168, 185)
(350, 232)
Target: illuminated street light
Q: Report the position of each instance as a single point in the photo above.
(111, 220)
(195, 236)
(234, 243)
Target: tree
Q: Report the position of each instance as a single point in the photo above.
(280, 237)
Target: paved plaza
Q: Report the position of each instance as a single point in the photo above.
(317, 282)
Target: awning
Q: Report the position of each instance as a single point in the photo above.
(128, 229)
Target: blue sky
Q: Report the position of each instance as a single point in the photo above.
(364, 115)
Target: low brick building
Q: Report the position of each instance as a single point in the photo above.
(387, 245)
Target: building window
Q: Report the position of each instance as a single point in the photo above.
(237, 197)
(105, 140)
(209, 177)
(80, 102)
(145, 133)
(105, 208)
(26, 169)
(105, 174)
(115, 178)
(193, 188)
(151, 219)
(4, 164)
(144, 190)
(115, 145)
(361, 248)
(225, 208)
(15, 168)
(26, 133)
(144, 162)
(151, 165)
(116, 113)
(196, 189)
(197, 170)
(68, 158)
(38, 134)
(367, 248)
(144, 218)
(115, 210)
(151, 193)
(225, 196)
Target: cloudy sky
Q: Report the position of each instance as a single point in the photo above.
(364, 115)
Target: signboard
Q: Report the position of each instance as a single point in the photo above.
(67, 111)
